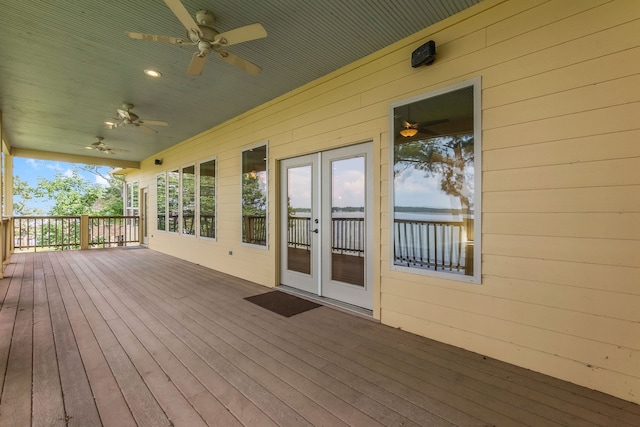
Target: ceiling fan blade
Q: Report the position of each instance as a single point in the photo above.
(157, 38)
(183, 16)
(241, 63)
(197, 64)
(155, 123)
(146, 129)
(241, 35)
(434, 122)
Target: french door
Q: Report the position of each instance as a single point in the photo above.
(326, 224)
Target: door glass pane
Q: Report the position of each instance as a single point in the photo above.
(347, 220)
(299, 219)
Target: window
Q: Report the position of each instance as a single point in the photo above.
(207, 191)
(436, 172)
(254, 196)
(188, 200)
(173, 194)
(131, 199)
(161, 201)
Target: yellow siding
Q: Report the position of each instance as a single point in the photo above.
(561, 177)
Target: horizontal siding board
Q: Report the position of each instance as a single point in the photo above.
(513, 353)
(624, 253)
(619, 145)
(564, 200)
(609, 120)
(620, 226)
(593, 353)
(596, 302)
(611, 93)
(536, 17)
(490, 302)
(607, 173)
(563, 78)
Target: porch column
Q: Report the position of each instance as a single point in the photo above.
(84, 231)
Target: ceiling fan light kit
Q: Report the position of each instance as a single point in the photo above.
(408, 132)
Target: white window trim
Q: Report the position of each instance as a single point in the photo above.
(477, 124)
(181, 201)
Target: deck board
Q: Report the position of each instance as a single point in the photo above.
(135, 337)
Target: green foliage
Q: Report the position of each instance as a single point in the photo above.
(450, 158)
(254, 198)
(71, 194)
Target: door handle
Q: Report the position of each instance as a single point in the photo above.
(315, 231)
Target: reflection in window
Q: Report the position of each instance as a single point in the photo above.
(161, 201)
(208, 199)
(188, 200)
(434, 148)
(254, 196)
(173, 199)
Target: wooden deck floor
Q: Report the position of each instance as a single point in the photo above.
(121, 337)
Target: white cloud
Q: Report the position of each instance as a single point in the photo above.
(102, 181)
(68, 173)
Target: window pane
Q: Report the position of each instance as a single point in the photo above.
(172, 202)
(254, 196)
(434, 183)
(188, 200)
(208, 199)
(135, 193)
(161, 201)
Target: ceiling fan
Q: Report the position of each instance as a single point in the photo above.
(409, 129)
(125, 117)
(100, 146)
(200, 33)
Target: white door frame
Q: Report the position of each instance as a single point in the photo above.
(319, 280)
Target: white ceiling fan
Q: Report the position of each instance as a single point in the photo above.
(200, 33)
(125, 117)
(100, 146)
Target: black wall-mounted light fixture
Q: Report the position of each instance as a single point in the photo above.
(158, 162)
(424, 55)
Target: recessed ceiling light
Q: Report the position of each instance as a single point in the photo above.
(152, 73)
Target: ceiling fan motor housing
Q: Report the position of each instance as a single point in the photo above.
(206, 18)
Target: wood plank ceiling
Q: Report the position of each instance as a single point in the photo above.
(66, 65)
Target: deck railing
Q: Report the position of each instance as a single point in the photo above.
(435, 245)
(108, 231)
(32, 233)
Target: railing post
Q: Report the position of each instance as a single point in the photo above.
(84, 231)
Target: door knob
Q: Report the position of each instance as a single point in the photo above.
(315, 231)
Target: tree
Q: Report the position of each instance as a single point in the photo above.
(451, 158)
(71, 194)
(254, 199)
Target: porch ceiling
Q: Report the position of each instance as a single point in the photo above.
(65, 66)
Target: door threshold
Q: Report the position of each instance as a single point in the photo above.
(329, 302)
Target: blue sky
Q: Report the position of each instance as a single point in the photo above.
(30, 170)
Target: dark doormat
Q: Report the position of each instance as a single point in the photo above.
(282, 303)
